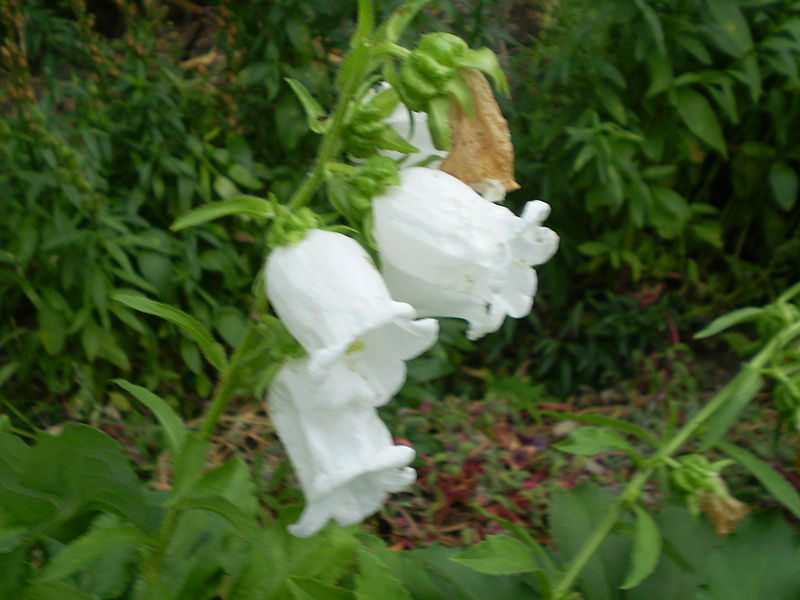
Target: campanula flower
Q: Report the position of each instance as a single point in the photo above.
(342, 454)
(333, 300)
(450, 253)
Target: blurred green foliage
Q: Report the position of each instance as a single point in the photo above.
(663, 134)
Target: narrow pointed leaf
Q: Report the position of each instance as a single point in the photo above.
(773, 481)
(212, 350)
(733, 318)
(174, 429)
(314, 113)
(250, 206)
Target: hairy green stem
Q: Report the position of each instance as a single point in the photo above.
(633, 489)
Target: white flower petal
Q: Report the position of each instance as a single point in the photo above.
(333, 300)
(344, 456)
(450, 253)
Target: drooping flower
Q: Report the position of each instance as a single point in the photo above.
(450, 253)
(343, 454)
(333, 300)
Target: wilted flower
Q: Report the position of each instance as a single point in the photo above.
(450, 253)
(343, 455)
(332, 299)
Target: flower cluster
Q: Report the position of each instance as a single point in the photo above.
(445, 251)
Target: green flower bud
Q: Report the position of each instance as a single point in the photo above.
(446, 48)
(290, 226)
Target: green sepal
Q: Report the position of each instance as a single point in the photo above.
(458, 87)
(385, 101)
(486, 61)
(439, 121)
(391, 140)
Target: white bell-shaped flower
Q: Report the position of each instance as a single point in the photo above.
(343, 455)
(333, 300)
(450, 253)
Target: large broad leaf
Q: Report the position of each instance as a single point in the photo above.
(760, 560)
(454, 580)
(303, 588)
(87, 549)
(700, 118)
(686, 546)
(86, 469)
(54, 591)
(573, 516)
(376, 580)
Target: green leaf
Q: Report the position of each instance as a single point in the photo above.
(244, 177)
(624, 426)
(315, 115)
(656, 31)
(85, 470)
(588, 441)
(700, 118)
(499, 555)
(749, 313)
(739, 391)
(669, 212)
(213, 351)
(174, 429)
(241, 522)
(731, 31)
(6, 371)
(52, 329)
(10, 538)
(784, 183)
(85, 550)
(646, 549)
(773, 481)
(486, 61)
(376, 580)
(572, 514)
(54, 591)
(439, 121)
(759, 561)
(303, 588)
(400, 19)
(250, 206)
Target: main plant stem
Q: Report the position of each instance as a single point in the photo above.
(631, 491)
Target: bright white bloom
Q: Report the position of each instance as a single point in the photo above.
(450, 253)
(344, 456)
(333, 300)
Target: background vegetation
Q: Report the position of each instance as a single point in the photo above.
(665, 135)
